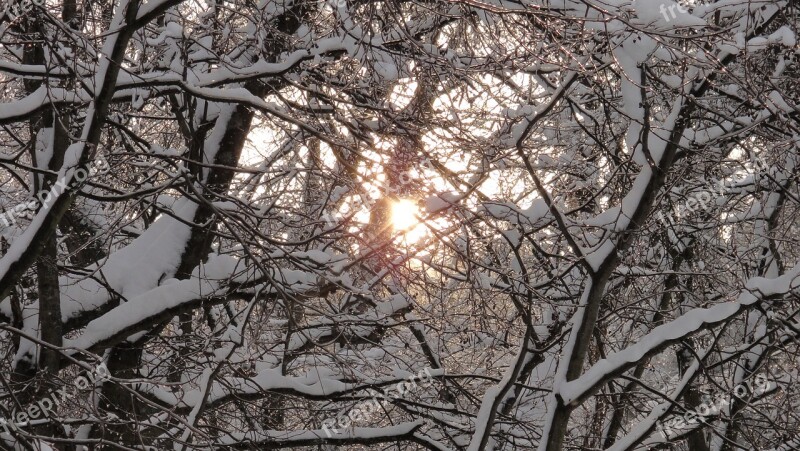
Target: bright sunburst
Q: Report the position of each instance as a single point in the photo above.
(404, 215)
(405, 219)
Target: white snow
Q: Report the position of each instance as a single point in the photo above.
(756, 290)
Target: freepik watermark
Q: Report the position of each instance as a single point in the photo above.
(702, 200)
(44, 197)
(710, 407)
(378, 401)
(336, 4)
(44, 407)
(671, 8)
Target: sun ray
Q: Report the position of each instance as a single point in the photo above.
(404, 215)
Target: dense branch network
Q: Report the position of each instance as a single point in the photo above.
(262, 221)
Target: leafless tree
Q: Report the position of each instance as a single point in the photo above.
(446, 225)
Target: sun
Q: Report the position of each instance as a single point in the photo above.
(404, 215)
(406, 221)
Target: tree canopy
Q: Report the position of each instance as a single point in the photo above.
(444, 225)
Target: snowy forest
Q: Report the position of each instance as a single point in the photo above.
(399, 225)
